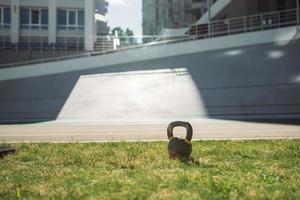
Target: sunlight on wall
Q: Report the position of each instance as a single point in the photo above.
(275, 54)
(284, 38)
(137, 95)
(296, 79)
(233, 52)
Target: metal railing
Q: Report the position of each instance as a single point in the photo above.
(71, 47)
(75, 43)
(111, 44)
(258, 22)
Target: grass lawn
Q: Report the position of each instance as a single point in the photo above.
(226, 170)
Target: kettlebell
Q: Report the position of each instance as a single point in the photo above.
(180, 149)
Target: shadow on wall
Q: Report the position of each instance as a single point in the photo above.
(251, 83)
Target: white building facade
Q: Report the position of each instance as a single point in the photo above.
(52, 22)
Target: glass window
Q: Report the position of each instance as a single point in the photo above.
(35, 17)
(44, 17)
(61, 17)
(0, 15)
(7, 15)
(24, 16)
(72, 17)
(80, 17)
(263, 5)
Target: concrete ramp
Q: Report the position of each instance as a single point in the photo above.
(138, 95)
(244, 76)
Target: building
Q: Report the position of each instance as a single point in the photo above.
(159, 14)
(52, 22)
(229, 9)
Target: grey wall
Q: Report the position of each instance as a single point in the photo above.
(261, 81)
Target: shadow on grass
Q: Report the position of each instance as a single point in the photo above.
(6, 150)
(196, 163)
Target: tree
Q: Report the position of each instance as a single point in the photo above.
(129, 32)
(119, 30)
(126, 37)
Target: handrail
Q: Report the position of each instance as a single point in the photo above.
(257, 15)
(112, 44)
(283, 18)
(89, 54)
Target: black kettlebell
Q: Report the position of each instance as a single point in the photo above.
(180, 149)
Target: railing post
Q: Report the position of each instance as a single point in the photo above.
(3, 44)
(4, 40)
(297, 12)
(261, 22)
(278, 16)
(53, 48)
(245, 24)
(41, 44)
(77, 45)
(228, 26)
(65, 41)
(212, 28)
(209, 17)
(29, 43)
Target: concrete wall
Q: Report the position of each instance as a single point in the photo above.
(174, 81)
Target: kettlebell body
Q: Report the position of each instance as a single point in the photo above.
(180, 148)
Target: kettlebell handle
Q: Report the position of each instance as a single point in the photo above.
(188, 126)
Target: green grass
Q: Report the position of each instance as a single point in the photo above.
(226, 170)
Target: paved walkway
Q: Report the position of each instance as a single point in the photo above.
(99, 132)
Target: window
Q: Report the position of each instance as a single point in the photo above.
(34, 18)
(263, 5)
(5, 17)
(62, 17)
(24, 16)
(70, 19)
(81, 18)
(44, 17)
(281, 4)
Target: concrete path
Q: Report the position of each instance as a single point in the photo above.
(144, 131)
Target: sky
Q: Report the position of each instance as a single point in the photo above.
(125, 13)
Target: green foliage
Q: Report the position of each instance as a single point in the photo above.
(225, 170)
(119, 30)
(126, 37)
(129, 32)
